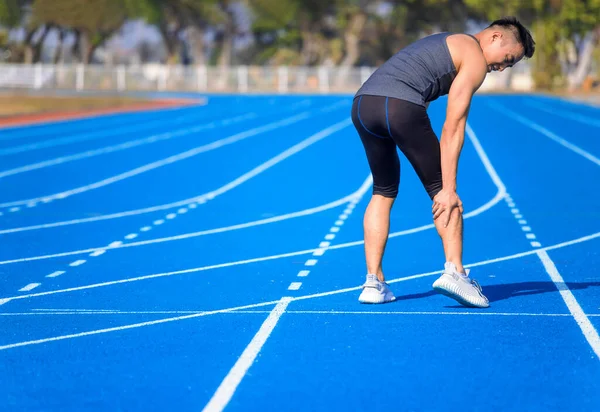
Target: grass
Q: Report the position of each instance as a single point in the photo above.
(18, 104)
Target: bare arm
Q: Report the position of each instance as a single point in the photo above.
(467, 81)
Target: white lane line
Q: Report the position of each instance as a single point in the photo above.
(319, 252)
(584, 323)
(13, 209)
(77, 263)
(116, 243)
(330, 236)
(223, 189)
(105, 150)
(95, 312)
(171, 216)
(29, 287)
(169, 160)
(582, 320)
(131, 236)
(549, 134)
(97, 253)
(293, 254)
(228, 386)
(145, 228)
(182, 211)
(268, 303)
(295, 286)
(339, 222)
(310, 262)
(324, 244)
(303, 273)
(564, 113)
(158, 222)
(334, 229)
(55, 274)
(305, 212)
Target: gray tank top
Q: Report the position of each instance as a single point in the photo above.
(419, 73)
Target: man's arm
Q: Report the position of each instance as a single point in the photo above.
(469, 78)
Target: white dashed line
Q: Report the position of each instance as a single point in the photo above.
(182, 211)
(339, 222)
(303, 273)
(55, 274)
(319, 252)
(343, 216)
(171, 216)
(29, 287)
(517, 214)
(334, 229)
(158, 222)
(330, 236)
(311, 262)
(31, 204)
(145, 228)
(77, 263)
(295, 286)
(192, 205)
(115, 243)
(14, 209)
(131, 236)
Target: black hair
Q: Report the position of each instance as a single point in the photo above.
(521, 33)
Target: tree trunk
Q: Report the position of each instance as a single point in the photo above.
(584, 60)
(59, 55)
(171, 44)
(28, 58)
(37, 48)
(196, 36)
(352, 37)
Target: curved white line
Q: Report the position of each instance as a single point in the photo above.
(305, 212)
(123, 146)
(210, 195)
(254, 305)
(166, 161)
(488, 205)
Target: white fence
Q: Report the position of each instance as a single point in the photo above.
(240, 79)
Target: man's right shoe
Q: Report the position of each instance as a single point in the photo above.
(461, 288)
(375, 291)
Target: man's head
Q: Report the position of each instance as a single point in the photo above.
(505, 42)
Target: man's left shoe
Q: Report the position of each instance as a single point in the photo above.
(461, 288)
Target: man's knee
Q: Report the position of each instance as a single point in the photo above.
(386, 191)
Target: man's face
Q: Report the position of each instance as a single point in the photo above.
(502, 50)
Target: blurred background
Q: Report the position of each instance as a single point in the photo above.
(273, 45)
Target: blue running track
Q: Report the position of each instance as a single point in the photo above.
(210, 257)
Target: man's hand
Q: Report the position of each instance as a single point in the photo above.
(445, 201)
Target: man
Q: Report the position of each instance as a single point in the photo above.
(390, 109)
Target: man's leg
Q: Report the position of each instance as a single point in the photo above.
(376, 225)
(369, 117)
(419, 143)
(452, 238)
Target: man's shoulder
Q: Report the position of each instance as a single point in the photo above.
(465, 49)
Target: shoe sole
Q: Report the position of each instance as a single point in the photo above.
(440, 289)
(378, 299)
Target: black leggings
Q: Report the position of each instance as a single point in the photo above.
(384, 123)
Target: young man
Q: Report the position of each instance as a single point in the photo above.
(390, 109)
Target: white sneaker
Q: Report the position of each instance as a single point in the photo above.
(463, 289)
(375, 291)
